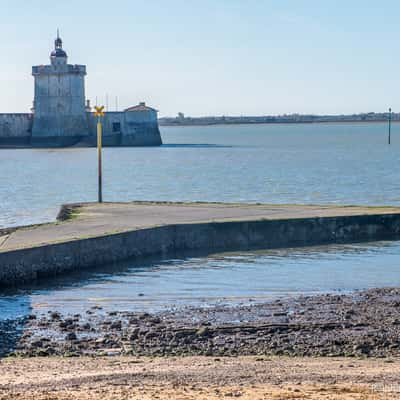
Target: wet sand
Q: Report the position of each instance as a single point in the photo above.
(203, 378)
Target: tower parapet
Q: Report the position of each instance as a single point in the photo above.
(59, 101)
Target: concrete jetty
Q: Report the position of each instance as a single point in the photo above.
(92, 234)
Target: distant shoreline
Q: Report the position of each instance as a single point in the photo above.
(295, 118)
(185, 124)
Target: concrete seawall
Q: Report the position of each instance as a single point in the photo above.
(108, 233)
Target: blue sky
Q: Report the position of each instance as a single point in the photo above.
(211, 57)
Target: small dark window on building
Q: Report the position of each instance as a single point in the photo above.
(116, 126)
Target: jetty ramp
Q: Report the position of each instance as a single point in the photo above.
(92, 234)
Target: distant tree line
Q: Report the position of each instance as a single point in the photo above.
(180, 119)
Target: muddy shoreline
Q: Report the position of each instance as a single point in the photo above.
(365, 323)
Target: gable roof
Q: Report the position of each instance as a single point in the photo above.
(140, 107)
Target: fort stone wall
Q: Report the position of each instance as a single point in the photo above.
(59, 104)
(15, 129)
(140, 127)
(128, 128)
(119, 129)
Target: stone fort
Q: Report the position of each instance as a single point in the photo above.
(61, 116)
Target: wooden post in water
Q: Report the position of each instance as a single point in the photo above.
(390, 123)
(99, 113)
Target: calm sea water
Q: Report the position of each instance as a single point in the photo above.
(230, 278)
(321, 163)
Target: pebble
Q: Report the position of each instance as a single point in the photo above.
(363, 324)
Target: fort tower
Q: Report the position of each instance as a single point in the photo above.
(59, 101)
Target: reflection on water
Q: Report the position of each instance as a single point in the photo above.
(309, 163)
(229, 278)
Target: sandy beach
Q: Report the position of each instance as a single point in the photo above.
(186, 378)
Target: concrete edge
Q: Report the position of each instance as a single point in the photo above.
(21, 265)
(71, 213)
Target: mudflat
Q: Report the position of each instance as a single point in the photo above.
(359, 324)
(199, 378)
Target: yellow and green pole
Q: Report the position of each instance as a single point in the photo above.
(99, 113)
